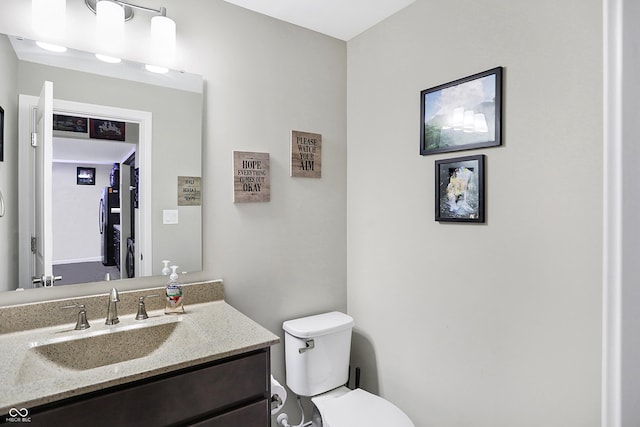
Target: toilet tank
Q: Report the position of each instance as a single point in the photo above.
(317, 352)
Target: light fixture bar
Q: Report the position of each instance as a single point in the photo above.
(128, 8)
(162, 11)
(92, 5)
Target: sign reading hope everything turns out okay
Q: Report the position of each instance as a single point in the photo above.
(251, 177)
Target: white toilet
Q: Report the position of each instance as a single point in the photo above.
(317, 352)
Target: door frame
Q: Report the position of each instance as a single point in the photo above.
(621, 229)
(27, 103)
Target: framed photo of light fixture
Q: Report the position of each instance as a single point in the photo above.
(463, 114)
(460, 189)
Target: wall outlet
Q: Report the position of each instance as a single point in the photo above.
(169, 216)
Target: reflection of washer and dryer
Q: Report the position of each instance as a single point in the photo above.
(109, 216)
(110, 228)
(131, 258)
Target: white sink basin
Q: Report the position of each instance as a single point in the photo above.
(107, 347)
(113, 344)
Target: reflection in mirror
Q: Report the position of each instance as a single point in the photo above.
(94, 160)
(122, 138)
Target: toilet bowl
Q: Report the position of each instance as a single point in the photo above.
(353, 408)
(317, 350)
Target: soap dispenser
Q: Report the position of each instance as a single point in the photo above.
(165, 267)
(173, 292)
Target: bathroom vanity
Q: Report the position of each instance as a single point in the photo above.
(231, 392)
(208, 367)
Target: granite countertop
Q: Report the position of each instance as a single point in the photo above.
(208, 331)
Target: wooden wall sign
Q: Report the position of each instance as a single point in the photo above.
(251, 181)
(189, 191)
(306, 154)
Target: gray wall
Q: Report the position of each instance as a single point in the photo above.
(493, 325)
(76, 235)
(9, 167)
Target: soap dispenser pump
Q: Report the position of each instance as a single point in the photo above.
(165, 267)
(173, 292)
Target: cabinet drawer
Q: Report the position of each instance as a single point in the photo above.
(190, 394)
(254, 415)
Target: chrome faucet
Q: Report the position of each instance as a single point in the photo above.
(112, 308)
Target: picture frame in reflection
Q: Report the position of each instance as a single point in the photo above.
(107, 129)
(74, 124)
(85, 176)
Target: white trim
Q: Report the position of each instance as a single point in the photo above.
(612, 215)
(145, 120)
(26, 104)
(76, 261)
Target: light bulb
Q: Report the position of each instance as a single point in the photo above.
(109, 27)
(163, 39)
(48, 18)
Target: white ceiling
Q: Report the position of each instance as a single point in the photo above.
(342, 19)
(74, 150)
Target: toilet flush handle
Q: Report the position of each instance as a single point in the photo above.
(309, 345)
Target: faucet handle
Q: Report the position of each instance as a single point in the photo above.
(82, 322)
(142, 312)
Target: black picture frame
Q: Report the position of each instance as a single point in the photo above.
(1, 134)
(460, 189)
(107, 129)
(74, 124)
(85, 176)
(462, 115)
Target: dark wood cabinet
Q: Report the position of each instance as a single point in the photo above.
(225, 393)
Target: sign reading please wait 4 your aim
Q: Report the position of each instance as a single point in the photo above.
(306, 154)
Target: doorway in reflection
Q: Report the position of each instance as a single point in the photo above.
(95, 199)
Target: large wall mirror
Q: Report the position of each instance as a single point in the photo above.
(124, 168)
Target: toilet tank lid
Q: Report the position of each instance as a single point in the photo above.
(318, 325)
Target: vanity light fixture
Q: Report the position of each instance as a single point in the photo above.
(111, 30)
(48, 18)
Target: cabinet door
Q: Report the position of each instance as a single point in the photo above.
(255, 415)
(197, 393)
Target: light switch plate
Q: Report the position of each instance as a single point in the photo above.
(169, 216)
